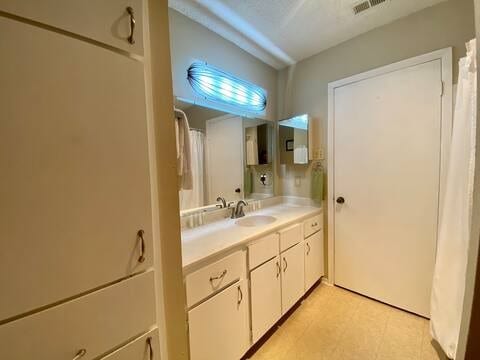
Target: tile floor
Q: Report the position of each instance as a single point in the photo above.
(336, 324)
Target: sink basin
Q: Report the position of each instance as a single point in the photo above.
(256, 220)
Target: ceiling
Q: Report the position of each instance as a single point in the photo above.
(282, 32)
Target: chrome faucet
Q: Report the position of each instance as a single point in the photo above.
(237, 211)
(223, 204)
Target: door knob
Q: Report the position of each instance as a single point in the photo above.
(340, 200)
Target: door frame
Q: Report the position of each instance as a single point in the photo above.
(445, 56)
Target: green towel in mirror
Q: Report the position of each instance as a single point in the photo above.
(317, 183)
(247, 181)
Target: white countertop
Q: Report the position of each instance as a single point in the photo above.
(204, 242)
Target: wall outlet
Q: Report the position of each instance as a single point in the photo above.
(318, 154)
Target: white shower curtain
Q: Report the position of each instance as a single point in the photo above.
(455, 215)
(194, 198)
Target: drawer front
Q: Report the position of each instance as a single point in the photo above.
(312, 225)
(262, 250)
(214, 277)
(145, 347)
(97, 322)
(105, 21)
(290, 236)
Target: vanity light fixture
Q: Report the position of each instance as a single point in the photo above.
(217, 85)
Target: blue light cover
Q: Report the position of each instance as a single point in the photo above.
(219, 86)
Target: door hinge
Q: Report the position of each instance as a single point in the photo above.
(443, 88)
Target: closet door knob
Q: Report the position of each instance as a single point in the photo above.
(140, 234)
(81, 353)
(340, 200)
(130, 12)
(150, 348)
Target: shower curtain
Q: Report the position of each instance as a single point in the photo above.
(195, 197)
(455, 215)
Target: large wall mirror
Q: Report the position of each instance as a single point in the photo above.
(231, 158)
(293, 138)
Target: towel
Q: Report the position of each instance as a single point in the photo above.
(247, 181)
(317, 183)
(300, 155)
(184, 165)
(252, 152)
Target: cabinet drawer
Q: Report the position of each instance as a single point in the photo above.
(312, 225)
(214, 277)
(145, 347)
(262, 250)
(290, 236)
(105, 21)
(97, 322)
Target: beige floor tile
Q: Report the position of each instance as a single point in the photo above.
(336, 324)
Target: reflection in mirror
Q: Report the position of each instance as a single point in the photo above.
(293, 137)
(231, 158)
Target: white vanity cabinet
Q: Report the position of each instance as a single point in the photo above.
(293, 276)
(314, 251)
(230, 309)
(266, 297)
(219, 327)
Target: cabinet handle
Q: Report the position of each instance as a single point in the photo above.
(308, 251)
(314, 224)
(140, 234)
(150, 348)
(240, 293)
(130, 12)
(286, 264)
(278, 269)
(80, 353)
(218, 277)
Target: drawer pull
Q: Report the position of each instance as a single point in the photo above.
(218, 277)
(278, 269)
(286, 264)
(240, 293)
(140, 234)
(130, 12)
(308, 251)
(150, 348)
(314, 224)
(81, 353)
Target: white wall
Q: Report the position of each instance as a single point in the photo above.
(190, 41)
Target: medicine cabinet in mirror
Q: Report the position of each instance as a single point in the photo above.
(293, 138)
(231, 158)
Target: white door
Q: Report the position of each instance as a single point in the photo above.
(293, 276)
(266, 297)
(387, 145)
(219, 328)
(224, 143)
(314, 261)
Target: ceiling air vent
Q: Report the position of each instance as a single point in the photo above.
(357, 9)
(376, 2)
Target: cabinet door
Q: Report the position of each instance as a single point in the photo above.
(265, 292)
(293, 276)
(74, 184)
(219, 328)
(105, 21)
(314, 261)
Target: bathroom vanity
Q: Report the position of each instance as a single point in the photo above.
(242, 275)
